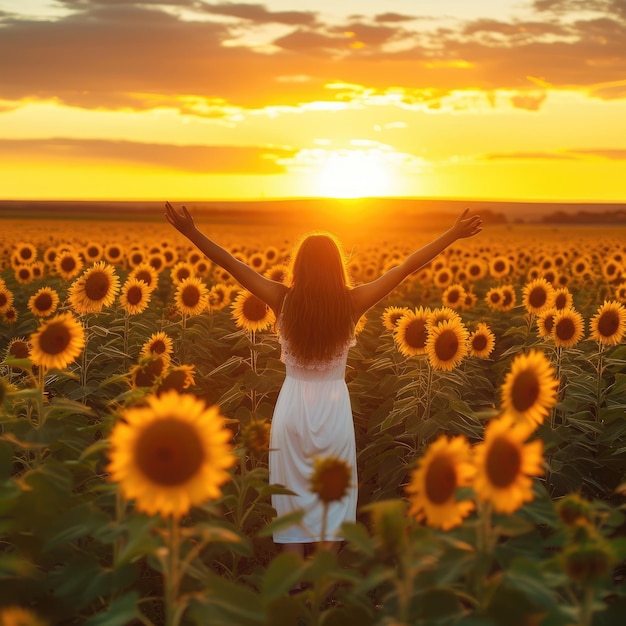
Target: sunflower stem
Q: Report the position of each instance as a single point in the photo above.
(84, 363)
(585, 608)
(183, 336)
(253, 365)
(600, 375)
(484, 544)
(429, 388)
(126, 333)
(172, 574)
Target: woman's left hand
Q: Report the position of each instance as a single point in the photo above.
(467, 226)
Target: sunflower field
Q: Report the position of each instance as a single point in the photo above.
(137, 384)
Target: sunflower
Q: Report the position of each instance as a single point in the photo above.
(278, 272)
(482, 341)
(476, 269)
(563, 298)
(95, 289)
(442, 314)
(6, 298)
(469, 301)
(180, 271)
(537, 295)
(25, 253)
(391, 316)
(171, 454)
(505, 463)
(158, 344)
(612, 270)
(620, 293)
(192, 296)
(509, 298)
(148, 370)
(135, 296)
(157, 261)
(257, 261)
(44, 302)
(57, 342)
(10, 315)
(19, 348)
(202, 267)
(529, 390)
(494, 298)
(499, 266)
(251, 313)
(331, 478)
(445, 467)
(113, 253)
(411, 332)
(453, 296)
(219, 296)
(93, 252)
(608, 325)
(178, 378)
(135, 257)
(568, 328)
(255, 436)
(68, 264)
(147, 274)
(581, 268)
(447, 344)
(24, 274)
(443, 277)
(545, 322)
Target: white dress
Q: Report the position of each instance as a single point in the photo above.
(312, 418)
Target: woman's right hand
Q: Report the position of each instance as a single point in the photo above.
(183, 222)
(467, 226)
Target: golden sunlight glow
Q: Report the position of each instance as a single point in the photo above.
(354, 174)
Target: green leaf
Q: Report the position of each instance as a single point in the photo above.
(123, 610)
(358, 538)
(280, 523)
(281, 575)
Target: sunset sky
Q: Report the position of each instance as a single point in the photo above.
(195, 99)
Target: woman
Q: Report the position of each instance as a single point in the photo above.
(316, 315)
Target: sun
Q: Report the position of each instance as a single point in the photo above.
(354, 174)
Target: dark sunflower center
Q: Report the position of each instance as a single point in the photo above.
(55, 338)
(134, 295)
(26, 254)
(454, 295)
(19, 349)
(190, 296)
(474, 270)
(503, 463)
(43, 301)
(3, 298)
(507, 298)
(499, 266)
(608, 323)
(446, 345)
(158, 347)
(495, 296)
(114, 252)
(537, 297)
(24, 273)
(333, 482)
(565, 329)
(156, 262)
(145, 276)
(524, 391)
(415, 334)
(183, 273)
(92, 252)
(97, 285)
(548, 323)
(560, 301)
(176, 379)
(254, 309)
(440, 480)
(479, 342)
(169, 452)
(68, 263)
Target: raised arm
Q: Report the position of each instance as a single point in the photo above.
(367, 295)
(270, 291)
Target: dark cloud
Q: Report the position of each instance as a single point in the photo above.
(392, 18)
(260, 15)
(119, 54)
(193, 159)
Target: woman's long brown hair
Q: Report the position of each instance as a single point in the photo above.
(316, 318)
